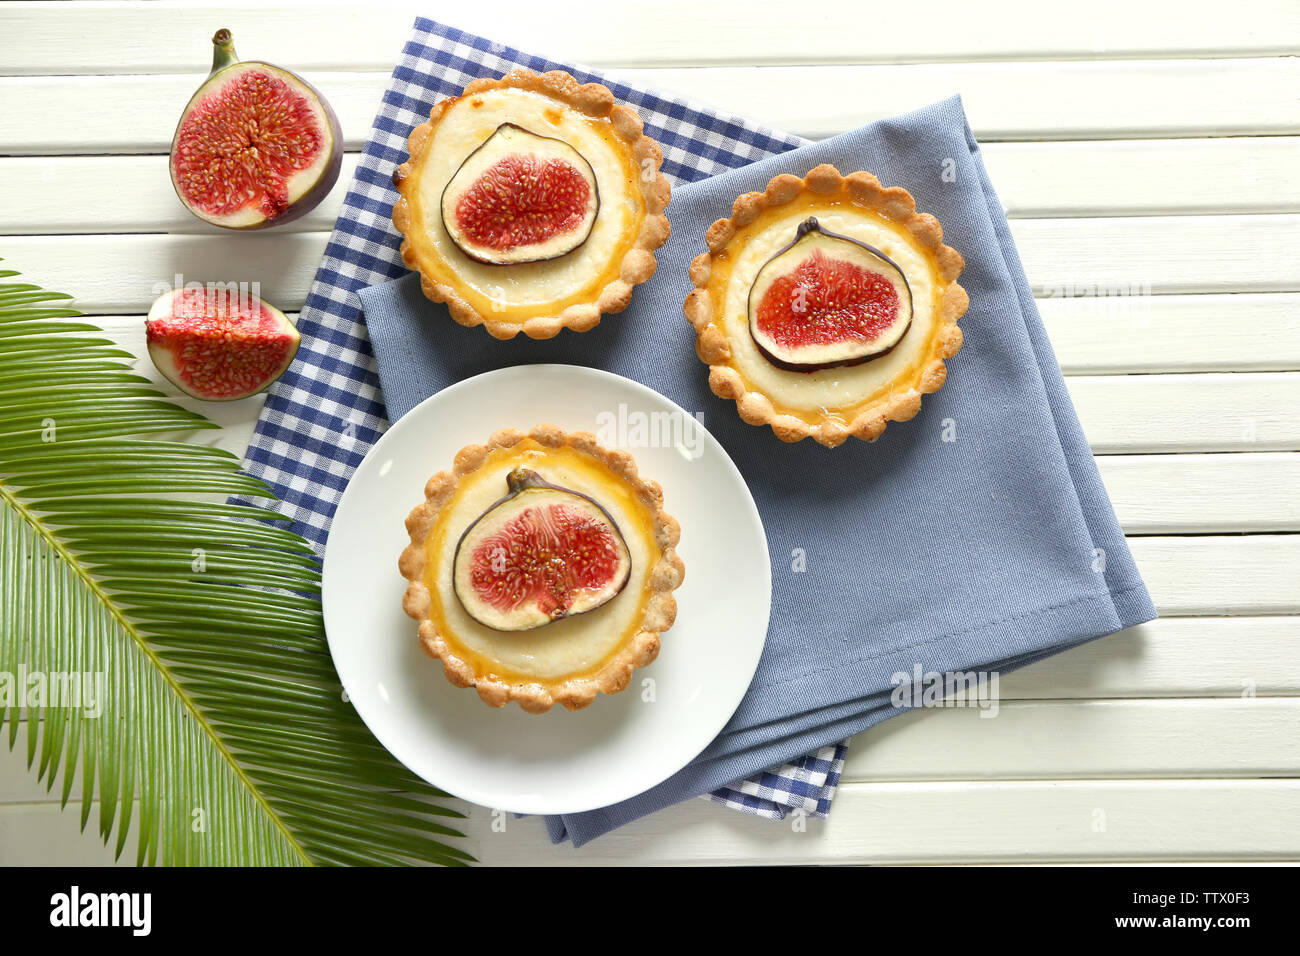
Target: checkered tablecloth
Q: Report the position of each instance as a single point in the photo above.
(322, 417)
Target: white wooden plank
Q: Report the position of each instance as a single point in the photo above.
(1082, 739)
(327, 34)
(1013, 101)
(1085, 821)
(18, 783)
(1070, 258)
(1181, 494)
(1004, 101)
(1243, 411)
(1025, 740)
(119, 194)
(41, 835)
(124, 274)
(1106, 333)
(1159, 254)
(1171, 657)
(1213, 575)
(1146, 177)
(112, 194)
(137, 113)
(935, 822)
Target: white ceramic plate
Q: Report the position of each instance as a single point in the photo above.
(562, 761)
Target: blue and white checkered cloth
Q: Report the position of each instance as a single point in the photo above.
(326, 412)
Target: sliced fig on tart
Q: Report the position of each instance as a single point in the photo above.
(541, 553)
(520, 197)
(827, 301)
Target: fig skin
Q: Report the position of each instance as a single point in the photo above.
(807, 227)
(504, 260)
(521, 480)
(223, 57)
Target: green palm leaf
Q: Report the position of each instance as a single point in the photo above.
(219, 733)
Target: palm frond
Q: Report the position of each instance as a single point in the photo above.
(219, 733)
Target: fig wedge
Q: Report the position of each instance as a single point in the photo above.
(827, 301)
(541, 553)
(520, 197)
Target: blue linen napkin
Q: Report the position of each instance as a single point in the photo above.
(977, 537)
(980, 553)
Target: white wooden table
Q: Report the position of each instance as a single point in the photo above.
(1155, 149)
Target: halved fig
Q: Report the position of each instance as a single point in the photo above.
(219, 344)
(539, 554)
(827, 301)
(520, 198)
(256, 146)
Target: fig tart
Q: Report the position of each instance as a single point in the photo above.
(541, 569)
(826, 305)
(531, 203)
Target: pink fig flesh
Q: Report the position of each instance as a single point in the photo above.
(519, 198)
(828, 301)
(541, 553)
(218, 344)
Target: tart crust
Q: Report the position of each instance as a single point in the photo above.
(638, 263)
(861, 190)
(538, 695)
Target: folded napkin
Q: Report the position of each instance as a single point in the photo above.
(976, 537)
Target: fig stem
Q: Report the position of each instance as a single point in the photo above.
(521, 478)
(223, 52)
